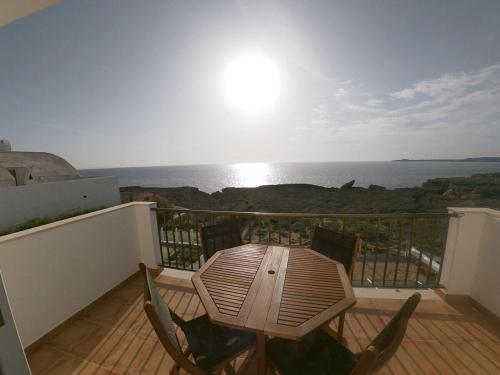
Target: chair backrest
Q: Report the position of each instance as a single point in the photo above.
(220, 236)
(337, 246)
(387, 342)
(160, 317)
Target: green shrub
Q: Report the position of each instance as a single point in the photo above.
(39, 221)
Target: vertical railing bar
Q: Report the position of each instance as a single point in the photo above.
(300, 236)
(182, 243)
(377, 237)
(190, 242)
(443, 246)
(279, 230)
(260, 228)
(159, 225)
(343, 226)
(364, 252)
(387, 253)
(431, 257)
(198, 248)
(175, 239)
(289, 231)
(250, 229)
(408, 256)
(269, 231)
(422, 235)
(400, 243)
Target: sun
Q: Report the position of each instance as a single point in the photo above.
(252, 82)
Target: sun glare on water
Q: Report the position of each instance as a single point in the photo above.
(251, 174)
(252, 82)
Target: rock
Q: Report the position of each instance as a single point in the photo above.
(449, 194)
(348, 185)
(376, 187)
(239, 205)
(434, 196)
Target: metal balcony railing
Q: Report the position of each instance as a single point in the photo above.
(398, 250)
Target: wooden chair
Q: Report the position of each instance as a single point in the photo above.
(320, 353)
(220, 236)
(340, 247)
(212, 347)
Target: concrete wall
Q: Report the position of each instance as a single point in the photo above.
(487, 279)
(472, 258)
(21, 203)
(12, 357)
(53, 271)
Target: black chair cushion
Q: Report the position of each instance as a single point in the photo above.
(211, 344)
(317, 353)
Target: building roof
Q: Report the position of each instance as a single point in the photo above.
(38, 167)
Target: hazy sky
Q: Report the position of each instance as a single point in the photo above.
(131, 83)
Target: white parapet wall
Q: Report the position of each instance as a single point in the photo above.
(54, 271)
(21, 203)
(472, 258)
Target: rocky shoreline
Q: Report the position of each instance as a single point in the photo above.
(435, 195)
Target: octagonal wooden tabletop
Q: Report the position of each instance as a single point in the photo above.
(273, 290)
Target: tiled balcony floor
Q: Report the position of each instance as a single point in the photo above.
(115, 337)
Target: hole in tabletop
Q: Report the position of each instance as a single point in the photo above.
(271, 272)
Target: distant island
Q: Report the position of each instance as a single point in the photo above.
(488, 159)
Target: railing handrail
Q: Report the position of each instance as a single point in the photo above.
(409, 215)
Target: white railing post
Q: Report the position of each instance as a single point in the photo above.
(147, 234)
(462, 250)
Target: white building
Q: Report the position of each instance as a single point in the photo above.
(40, 184)
(27, 168)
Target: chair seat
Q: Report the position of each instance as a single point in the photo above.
(211, 344)
(317, 353)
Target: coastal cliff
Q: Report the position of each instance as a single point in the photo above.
(479, 190)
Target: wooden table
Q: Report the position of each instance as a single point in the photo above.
(273, 290)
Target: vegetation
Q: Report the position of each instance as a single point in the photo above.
(39, 221)
(184, 256)
(435, 195)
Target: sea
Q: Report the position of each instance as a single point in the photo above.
(214, 177)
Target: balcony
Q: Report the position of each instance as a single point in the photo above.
(76, 296)
(113, 336)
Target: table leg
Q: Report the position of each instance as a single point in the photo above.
(261, 355)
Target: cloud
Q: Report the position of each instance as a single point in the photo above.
(374, 102)
(449, 84)
(461, 106)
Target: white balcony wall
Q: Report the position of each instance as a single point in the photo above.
(487, 279)
(472, 257)
(21, 203)
(54, 271)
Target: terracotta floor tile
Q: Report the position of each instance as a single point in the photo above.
(107, 311)
(43, 358)
(129, 294)
(96, 341)
(159, 362)
(115, 336)
(104, 348)
(135, 321)
(76, 366)
(73, 334)
(130, 356)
